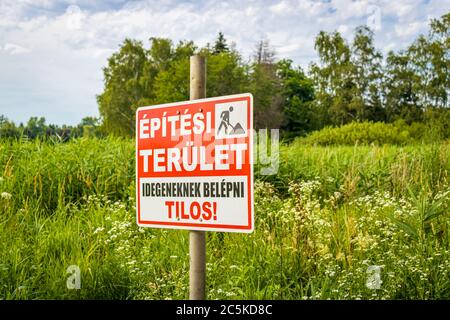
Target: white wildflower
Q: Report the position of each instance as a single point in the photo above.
(98, 230)
(6, 195)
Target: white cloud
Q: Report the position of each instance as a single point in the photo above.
(280, 8)
(14, 49)
(280, 37)
(38, 3)
(343, 29)
(409, 29)
(350, 9)
(402, 9)
(74, 17)
(287, 49)
(32, 24)
(311, 8)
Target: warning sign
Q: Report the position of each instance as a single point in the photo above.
(194, 164)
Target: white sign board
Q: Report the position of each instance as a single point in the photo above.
(194, 164)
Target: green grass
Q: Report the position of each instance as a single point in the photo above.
(326, 216)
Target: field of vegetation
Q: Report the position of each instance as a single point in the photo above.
(329, 214)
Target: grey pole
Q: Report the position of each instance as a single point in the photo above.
(197, 244)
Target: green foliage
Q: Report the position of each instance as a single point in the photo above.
(9, 128)
(367, 74)
(136, 76)
(63, 173)
(335, 86)
(265, 86)
(379, 133)
(220, 45)
(36, 128)
(401, 99)
(351, 82)
(226, 73)
(348, 78)
(326, 216)
(125, 86)
(172, 84)
(298, 94)
(416, 79)
(365, 168)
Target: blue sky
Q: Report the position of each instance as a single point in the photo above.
(52, 52)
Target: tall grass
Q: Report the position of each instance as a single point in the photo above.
(326, 216)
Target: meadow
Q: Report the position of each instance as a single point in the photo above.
(328, 216)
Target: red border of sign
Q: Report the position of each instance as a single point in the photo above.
(200, 226)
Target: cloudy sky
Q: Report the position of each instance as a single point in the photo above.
(52, 52)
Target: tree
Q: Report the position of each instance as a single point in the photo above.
(172, 82)
(264, 54)
(400, 97)
(348, 79)
(226, 73)
(265, 85)
(336, 101)
(368, 76)
(430, 57)
(8, 129)
(298, 93)
(36, 127)
(88, 127)
(220, 45)
(417, 80)
(350, 82)
(161, 54)
(125, 85)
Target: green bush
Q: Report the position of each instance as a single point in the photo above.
(366, 133)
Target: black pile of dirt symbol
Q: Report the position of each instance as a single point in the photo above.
(225, 124)
(237, 129)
